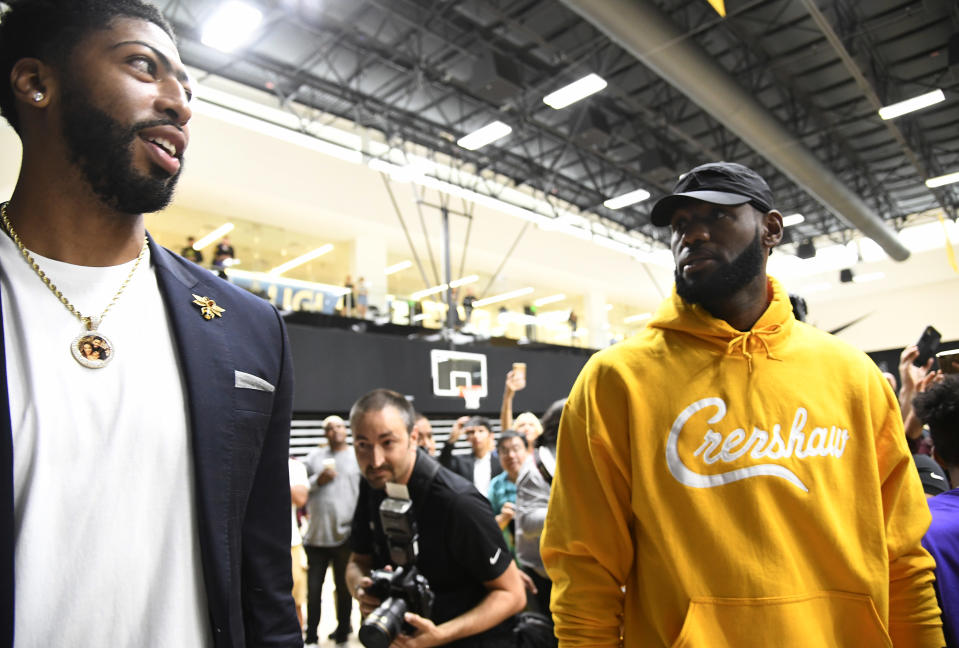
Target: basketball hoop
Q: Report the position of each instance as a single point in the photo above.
(471, 395)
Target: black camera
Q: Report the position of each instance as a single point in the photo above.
(402, 590)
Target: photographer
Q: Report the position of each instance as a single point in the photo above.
(462, 554)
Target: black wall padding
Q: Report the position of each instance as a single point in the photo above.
(334, 367)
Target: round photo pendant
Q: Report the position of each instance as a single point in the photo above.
(92, 349)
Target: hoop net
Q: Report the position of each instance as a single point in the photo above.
(471, 395)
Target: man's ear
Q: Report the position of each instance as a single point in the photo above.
(772, 229)
(32, 82)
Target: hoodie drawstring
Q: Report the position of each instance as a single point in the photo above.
(755, 335)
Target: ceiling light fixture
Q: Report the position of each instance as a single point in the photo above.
(479, 303)
(219, 232)
(793, 219)
(552, 299)
(286, 281)
(575, 91)
(397, 267)
(870, 276)
(426, 292)
(231, 26)
(485, 135)
(939, 181)
(300, 260)
(637, 318)
(626, 200)
(911, 105)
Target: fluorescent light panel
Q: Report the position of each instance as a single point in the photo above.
(793, 219)
(231, 26)
(456, 283)
(911, 105)
(485, 135)
(479, 303)
(285, 281)
(626, 200)
(397, 267)
(637, 318)
(219, 232)
(552, 299)
(868, 277)
(300, 260)
(939, 181)
(575, 91)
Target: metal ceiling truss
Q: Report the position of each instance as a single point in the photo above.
(405, 67)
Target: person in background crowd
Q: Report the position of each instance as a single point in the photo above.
(526, 423)
(225, 249)
(362, 297)
(299, 493)
(909, 377)
(349, 297)
(701, 498)
(334, 486)
(532, 498)
(483, 463)
(468, 299)
(189, 253)
(502, 488)
(937, 405)
(171, 528)
(462, 554)
(424, 434)
(223, 255)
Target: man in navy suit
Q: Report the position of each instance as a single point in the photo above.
(143, 494)
(483, 463)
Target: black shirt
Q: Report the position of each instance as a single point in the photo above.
(460, 544)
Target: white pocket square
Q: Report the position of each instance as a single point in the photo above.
(249, 381)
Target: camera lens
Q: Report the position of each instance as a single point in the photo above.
(384, 623)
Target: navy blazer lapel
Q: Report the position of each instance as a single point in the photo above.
(208, 374)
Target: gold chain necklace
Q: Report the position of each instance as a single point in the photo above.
(91, 348)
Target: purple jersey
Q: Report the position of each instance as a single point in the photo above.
(942, 541)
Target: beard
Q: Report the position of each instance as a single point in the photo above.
(102, 149)
(725, 281)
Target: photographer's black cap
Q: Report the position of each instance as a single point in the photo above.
(720, 183)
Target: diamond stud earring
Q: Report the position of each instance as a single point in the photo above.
(38, 96)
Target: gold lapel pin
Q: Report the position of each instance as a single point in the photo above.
(208, 307)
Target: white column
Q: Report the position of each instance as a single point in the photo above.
(369, 262)
(597, 318)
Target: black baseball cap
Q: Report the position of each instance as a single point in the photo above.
(720, 183)
(931, 474)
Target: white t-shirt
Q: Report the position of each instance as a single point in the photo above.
(482, 473)
(106, 542)
(298, 477)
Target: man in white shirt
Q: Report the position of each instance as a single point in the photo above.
(334, 480)
(142, 491)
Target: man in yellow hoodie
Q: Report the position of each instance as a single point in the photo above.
(730, 476)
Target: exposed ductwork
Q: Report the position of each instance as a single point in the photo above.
(649, 35)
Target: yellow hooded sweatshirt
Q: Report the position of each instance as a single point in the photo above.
(718, 489)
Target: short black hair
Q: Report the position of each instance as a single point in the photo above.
(507, 435)
(938, 407)
(49, 30)
(380, 399)
(478, 421)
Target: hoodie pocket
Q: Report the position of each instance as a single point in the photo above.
(816, 620)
